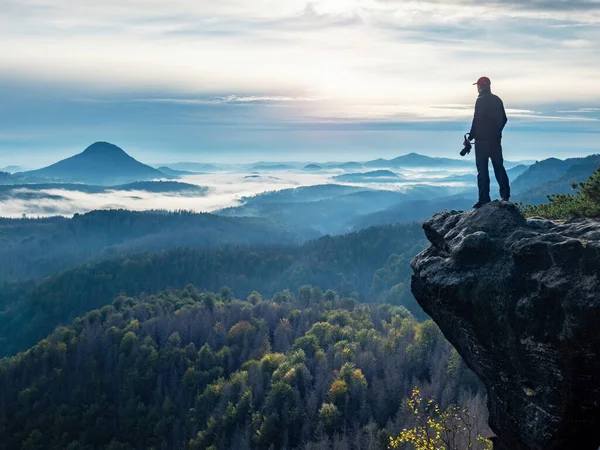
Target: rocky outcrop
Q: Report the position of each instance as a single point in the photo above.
(520, 301)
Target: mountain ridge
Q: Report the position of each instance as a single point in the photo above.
(101, 163)
(550, 169)
(372, 176)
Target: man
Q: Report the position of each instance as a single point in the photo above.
(488, 122)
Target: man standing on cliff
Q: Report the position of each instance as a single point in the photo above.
(488, 122)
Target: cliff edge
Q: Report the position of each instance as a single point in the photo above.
(520, 300)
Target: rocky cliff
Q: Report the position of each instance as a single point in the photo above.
(520, 301)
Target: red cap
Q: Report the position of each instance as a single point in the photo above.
(483, 80)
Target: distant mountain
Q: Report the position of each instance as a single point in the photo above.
(539, 173)
(417, 160)
(345, 166)
(579, 170)
(467, 177)
(191, 167)
(267, 167)
(411, 211)
(11, 169)
(327, 209)
(379, 162)
(379, 176)
(512, 164)
(100, 163)
(312, 167)
(551, 169)
(514, 172)
(9, 178)
(175, 173)
(301, 194)
(321, 209)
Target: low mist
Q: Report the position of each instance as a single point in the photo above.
(224, 190)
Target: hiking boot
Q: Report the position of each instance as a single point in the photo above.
(504, 201)
(479, 204)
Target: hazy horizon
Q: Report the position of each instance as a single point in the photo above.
(155, 160)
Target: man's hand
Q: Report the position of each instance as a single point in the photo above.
(466, 146)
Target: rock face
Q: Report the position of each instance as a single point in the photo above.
(520, 301)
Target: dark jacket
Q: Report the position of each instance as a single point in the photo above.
(489, 119)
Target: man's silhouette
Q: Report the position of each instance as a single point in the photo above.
(488, 122)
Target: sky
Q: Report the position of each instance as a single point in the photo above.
(279, 80)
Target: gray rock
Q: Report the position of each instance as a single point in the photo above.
(520, 301)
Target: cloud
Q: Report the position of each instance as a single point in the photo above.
(581, 111)
(584, 11)
(533, 5)
(290, 49)
(182, 71)
(230, 99)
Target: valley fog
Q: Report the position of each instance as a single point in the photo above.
(225, 190)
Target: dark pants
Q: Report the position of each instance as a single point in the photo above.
(484, 151)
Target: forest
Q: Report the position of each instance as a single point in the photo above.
(34, 248)
(371, 265)
(196, 370)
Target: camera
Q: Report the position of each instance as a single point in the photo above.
(466, 146)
